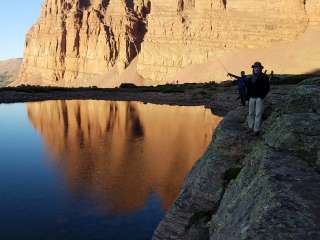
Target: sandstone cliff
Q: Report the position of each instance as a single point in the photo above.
(198, 30)
(83, 42)
(256, 188)
(78, 42)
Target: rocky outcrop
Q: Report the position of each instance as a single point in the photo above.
(256, 188)
(9, 70)
(84, 43)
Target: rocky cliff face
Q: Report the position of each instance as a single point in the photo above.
(83, 42)
(192, 32)
(77, 42)
(256, 188)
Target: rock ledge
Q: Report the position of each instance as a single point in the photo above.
(256, 188)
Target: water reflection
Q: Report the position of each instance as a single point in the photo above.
(121, 152)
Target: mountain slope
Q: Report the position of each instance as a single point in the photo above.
(9, 70)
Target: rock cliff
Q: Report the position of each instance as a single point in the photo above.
(9, 70)
(256, 188)
(78, 42)
(196, 31)
(92, 42)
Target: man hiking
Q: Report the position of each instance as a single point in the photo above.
(241, 86)
(258, 86)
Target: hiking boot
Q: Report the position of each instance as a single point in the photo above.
(256, 134)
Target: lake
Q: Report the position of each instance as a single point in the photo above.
(87, 169)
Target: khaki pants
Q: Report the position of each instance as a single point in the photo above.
(255, 114)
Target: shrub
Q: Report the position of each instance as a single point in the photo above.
(128, 85)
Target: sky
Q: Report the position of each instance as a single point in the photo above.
(16, 18)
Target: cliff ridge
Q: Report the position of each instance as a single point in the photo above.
(256, 188)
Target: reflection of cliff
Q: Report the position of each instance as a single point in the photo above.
(122, 151)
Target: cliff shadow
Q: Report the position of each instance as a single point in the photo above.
(139, 29)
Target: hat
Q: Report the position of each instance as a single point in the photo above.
(257, 64)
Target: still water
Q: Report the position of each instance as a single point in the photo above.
(94, 169)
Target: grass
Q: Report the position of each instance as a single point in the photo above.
(180, 88)
(198, 89)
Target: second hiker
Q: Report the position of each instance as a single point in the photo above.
(241, 86)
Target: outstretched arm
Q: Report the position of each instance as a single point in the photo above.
(232, 75)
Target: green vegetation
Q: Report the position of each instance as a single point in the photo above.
(128, 85)
(198, 90)
(175, 88)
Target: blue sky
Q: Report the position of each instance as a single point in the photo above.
(16, 17)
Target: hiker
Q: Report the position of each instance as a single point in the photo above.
(241, 86)
(258, 87)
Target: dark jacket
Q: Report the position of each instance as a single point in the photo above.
(241, 80)
(259, 88)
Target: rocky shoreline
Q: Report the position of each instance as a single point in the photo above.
(220, 99)
(264, 187)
